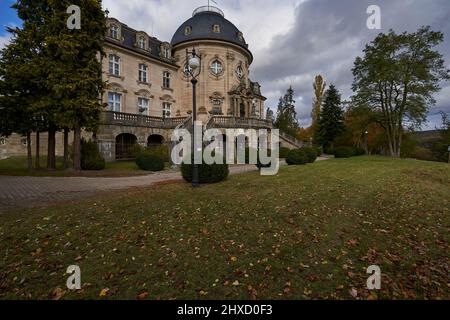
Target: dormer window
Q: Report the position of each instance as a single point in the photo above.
(114, 31)
(142, 43)
(240, 36)
(188, 31)
(216, 28)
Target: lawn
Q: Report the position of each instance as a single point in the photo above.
(308, 233)
(17, 166)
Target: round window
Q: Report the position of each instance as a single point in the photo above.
(216, 67)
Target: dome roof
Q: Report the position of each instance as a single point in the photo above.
(202, 27)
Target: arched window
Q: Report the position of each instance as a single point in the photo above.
(166, 79)
(187, 30)
(142, 43)
(114, 65)
(114, 31)
(216, 28)
(216, 67)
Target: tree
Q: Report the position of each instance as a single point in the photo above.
(75, 79)
(286, 119)
(60, 72)
(398, 76)
(319, 90)
(21, 90)
(331, 120)
(440, 148)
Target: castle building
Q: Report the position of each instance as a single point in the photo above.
(149, 94)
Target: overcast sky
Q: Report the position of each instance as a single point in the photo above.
(293, 40)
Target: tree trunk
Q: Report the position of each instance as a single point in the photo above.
(51, 158)
(29, 154)
(66, 149)
(77, 149)
(38, 151)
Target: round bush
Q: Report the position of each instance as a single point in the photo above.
(207, 173)
(311, 153)
(149, 162)
(344, 152)
(91, 159)
(297, 157)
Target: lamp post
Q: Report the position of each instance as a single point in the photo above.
(193, 69)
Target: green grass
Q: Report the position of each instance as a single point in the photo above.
(308, 233)
(17, 166)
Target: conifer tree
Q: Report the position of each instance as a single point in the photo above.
(331, 120)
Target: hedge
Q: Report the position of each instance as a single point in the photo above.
(149, 162)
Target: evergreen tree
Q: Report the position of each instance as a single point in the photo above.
(52, 73)
(331, 120)
(286, 119)
(75, 80)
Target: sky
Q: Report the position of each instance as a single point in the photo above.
(292, 40)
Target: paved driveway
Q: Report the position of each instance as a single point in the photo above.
(20, 192)
(23, 192)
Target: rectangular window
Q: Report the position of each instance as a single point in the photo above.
(143, 105)
(114, 31)
(167, 107)
(166, 80)
(143, 73)
(115, 101)
(114, 65)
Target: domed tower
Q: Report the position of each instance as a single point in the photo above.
(224, 87)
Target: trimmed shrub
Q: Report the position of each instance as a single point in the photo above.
(162, 151)
(149, 162)
(91, 159)
(284, 152)
(311, 153)
(344, 152)
(207, 173)
(297, 157)
(329, 150)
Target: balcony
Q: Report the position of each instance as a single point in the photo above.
(138, 120)
(224, 122)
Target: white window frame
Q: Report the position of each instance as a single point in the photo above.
(114, 31)
(115, 101)
(167, 53)
(143, 73)
(167, 109)
(142, 43)
(216, 67)
(144, 103)
(114, 65)
(166, 79)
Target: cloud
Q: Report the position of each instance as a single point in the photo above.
(4, 40)
(294, 40)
